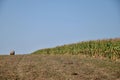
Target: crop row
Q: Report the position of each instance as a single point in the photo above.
(109, 48)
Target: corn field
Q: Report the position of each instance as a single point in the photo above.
(107, 48)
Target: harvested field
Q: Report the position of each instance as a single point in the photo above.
(57, 67)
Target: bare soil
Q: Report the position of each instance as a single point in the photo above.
(57, 67)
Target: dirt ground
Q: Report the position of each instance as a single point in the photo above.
(57, 67)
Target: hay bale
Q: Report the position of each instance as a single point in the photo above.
(12, 52)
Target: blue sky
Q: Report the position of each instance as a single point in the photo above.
(29, 25)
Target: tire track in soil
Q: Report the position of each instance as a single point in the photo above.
(19, 72)
(25, 68)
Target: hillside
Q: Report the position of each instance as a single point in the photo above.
(90, 60)
(107, 48)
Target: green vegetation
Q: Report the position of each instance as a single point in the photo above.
(107, 48)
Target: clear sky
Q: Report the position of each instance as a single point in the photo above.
(29, 25)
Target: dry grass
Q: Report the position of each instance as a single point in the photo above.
(57, 67)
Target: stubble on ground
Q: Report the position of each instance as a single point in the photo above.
(57, 67)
